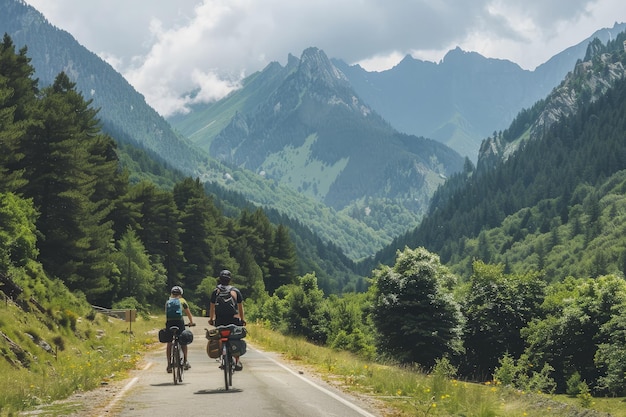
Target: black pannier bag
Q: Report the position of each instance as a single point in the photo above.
(238, 347)
(186, 337)
(165, 335)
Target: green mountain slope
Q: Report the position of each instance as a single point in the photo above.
(302, 127)
(554, 204)
(140, 131)
(312, 133)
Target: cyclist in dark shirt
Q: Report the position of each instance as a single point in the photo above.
(237, 316)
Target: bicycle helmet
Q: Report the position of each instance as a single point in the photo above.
(176, 290)
(225, 276)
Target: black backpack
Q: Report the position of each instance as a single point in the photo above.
(225, 304)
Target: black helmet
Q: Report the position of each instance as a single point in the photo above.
(225, 276)
(176, 290)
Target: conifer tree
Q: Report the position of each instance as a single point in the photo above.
(159, 228)
(140, 278)
(18, 92)
(282, 261)
(19, 73)
(68, 164)
(10, 136)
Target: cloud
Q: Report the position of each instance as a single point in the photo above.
(180, 52)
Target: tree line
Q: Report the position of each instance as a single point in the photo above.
(70, 205)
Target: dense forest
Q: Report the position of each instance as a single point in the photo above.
(549, 186)
(69, 211)
(115, 240)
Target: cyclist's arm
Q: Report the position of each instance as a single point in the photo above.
(211, 313)
(240, 308)
(188, 312)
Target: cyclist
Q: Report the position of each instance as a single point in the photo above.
(226, 306)
(175, 306)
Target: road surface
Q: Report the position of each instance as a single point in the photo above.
(266, 387)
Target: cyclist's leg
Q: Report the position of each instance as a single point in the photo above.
(168, 350)
(185, 361)
(169, 356)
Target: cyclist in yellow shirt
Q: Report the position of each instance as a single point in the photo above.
(175, 307)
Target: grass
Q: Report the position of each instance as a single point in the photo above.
(47, 361)
(409, 392)
(99, 350)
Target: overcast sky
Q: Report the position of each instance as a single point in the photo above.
(167, 48)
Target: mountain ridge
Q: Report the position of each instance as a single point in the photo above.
(314, 122)
(419, 97)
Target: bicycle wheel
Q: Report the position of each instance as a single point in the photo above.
(226, 366)
(181, 365)
(231, 368)
(176, 362)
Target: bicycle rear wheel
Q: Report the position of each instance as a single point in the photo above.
(231, 369)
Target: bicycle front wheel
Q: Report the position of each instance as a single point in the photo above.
(176, 365)
(227, 366)
(181, 365)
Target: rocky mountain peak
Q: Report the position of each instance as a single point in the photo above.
(585, 84)
(315, 65)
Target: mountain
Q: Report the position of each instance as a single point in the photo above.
(140, 131)
(123, 111)
(590, 80)
(314, 133)
(554, 204)
(465, 97)
(362, 226)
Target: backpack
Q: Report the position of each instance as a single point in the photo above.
(173, 309)
(225, 304)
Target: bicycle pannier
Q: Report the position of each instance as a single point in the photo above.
(238, 332)
(186, 337)
(165, 336)
(213, 348)
(212, 334)
(238, 347)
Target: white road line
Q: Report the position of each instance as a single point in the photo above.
(319, 387)
(122, 392)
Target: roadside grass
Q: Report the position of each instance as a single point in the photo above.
(98, 351)
(44, 360)
(406, 391)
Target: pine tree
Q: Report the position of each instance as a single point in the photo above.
(140, 278)
(18, 92)
(159, 227)
(69, 166)
(283, 261)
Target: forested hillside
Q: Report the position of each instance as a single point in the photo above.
(152, 150)
(554, 183)
(71, 207)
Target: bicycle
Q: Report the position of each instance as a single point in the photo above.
(227, 361)
(177, 359)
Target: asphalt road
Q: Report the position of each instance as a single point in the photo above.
(266, 387)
